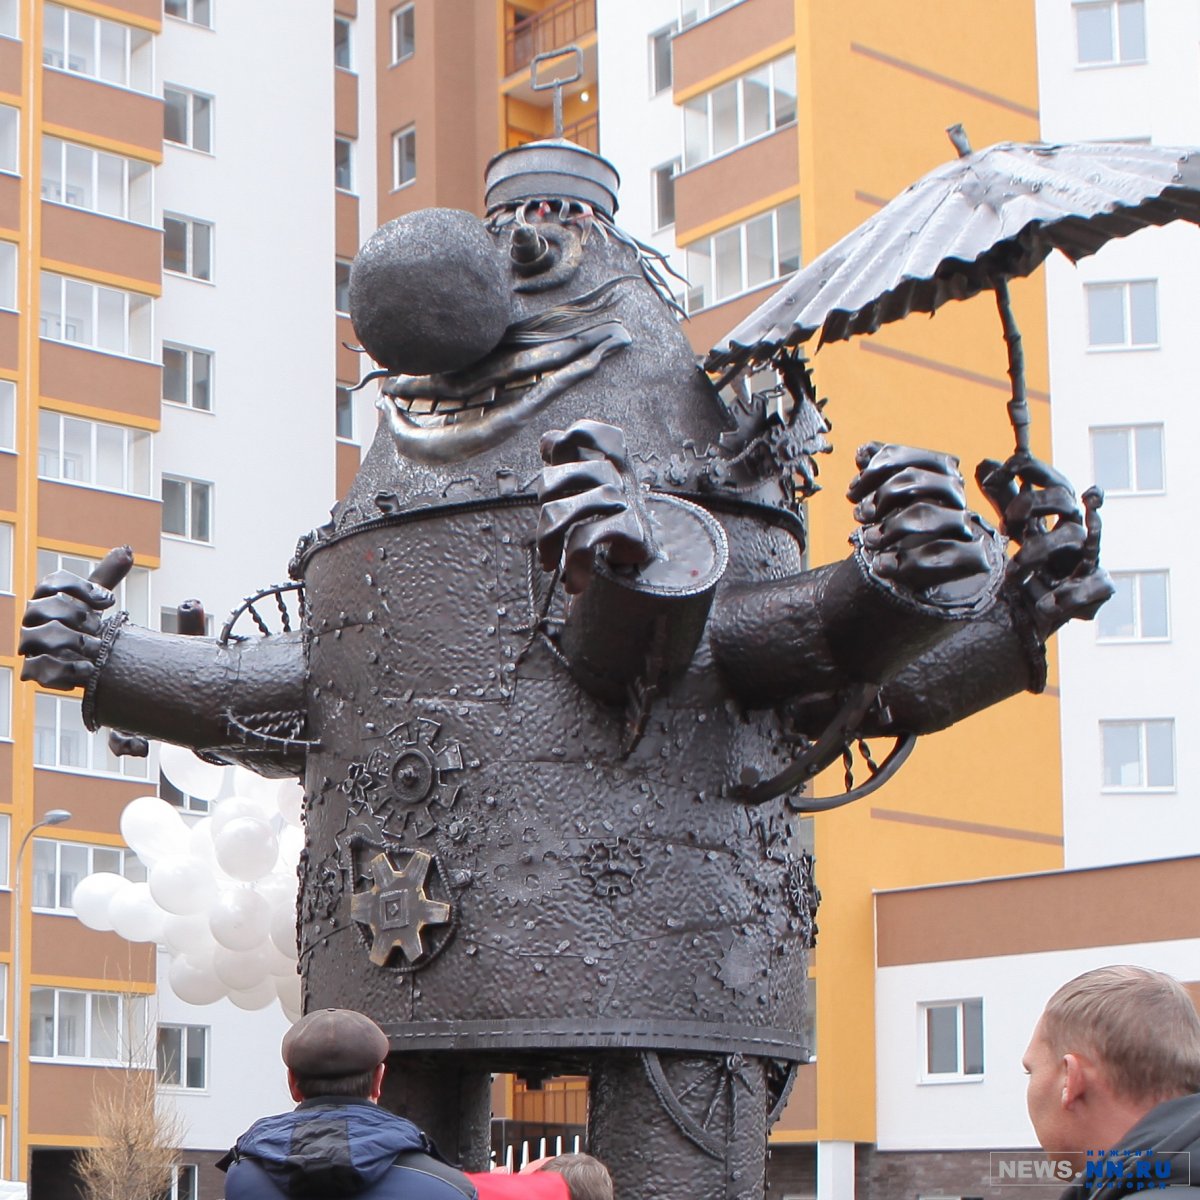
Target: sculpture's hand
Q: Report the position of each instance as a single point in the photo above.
(917, 530)
(61, 626)
(590, 499)
(1057, 567)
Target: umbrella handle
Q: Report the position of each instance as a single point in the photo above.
(1018, 406)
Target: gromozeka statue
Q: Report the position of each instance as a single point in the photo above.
(562, 672)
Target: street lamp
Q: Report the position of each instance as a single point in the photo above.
(56, 816)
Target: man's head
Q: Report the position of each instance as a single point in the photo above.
(335, 1052)
(1111, 1045)
(586, 1177)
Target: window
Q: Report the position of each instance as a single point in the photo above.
(113, 457)
(132, 593)
(187, 246)
(187, 376)
(953, 1040)
(184, 1182)
(8, 275)
(6, 562)
(341, 43)
(104, 1027)
(343, 164)
(1139, 756)
(168, 622)
(691, 11)
(403, 33)
(743, 257)
(404, 157)
(3, 1000)
(99, 49)
(8, 415)
(8, 18)
(183, 1056)
(661, 73)
(188, 119)
(166, 789)
(1110, 31)
(1138, 610)
(662, 188)
(104, 183)
(341, 286)
(739, 111)
(102, 318)
(6, 690)
(5, 839)
(197, 12)
(59, 866)
(345, 415)
(9, 124)
(1122, 315)
(61, 742)
(187, 508)
(1128, 458)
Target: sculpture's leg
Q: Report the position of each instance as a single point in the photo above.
(449, 1097)
(671, 1125)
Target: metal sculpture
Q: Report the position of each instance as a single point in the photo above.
(561, 671)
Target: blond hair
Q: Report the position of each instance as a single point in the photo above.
(587, 1178)
(1140, 1025)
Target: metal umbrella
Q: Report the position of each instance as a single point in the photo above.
(972, 223)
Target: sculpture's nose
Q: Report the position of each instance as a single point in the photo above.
(430, 292)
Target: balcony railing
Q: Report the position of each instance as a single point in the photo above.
(585, 133)
(553, 28)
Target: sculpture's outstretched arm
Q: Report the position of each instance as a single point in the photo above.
(243, 701)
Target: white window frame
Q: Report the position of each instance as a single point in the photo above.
(10, 139)
(132, 593)
(189, 514)
(409, 132)
(198, 118)
(662, 80)
(1125, 288)
(1119, 57)
(960, 1007)
(137, 181)
(1132, 433)
(186, 1033)
(341, 286)
(348, 184)
(695, 12)
(8, 275)
(130, 1034)
(8, 533)
(131, 439)
(348, 25)
(136, 335)
(8, 415)
(190, 8)
(701, 296)
(1135, 581)
(185, 1182)
(404, 12)
(700, 108)
(6, 705)
(98, 759)
(668, 170)
(343, 402)
(1143, 764)
(190, 355)
(114, 859)
(5, 884)
(199, 247)
(65, 27)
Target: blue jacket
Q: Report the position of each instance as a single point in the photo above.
(331, 1147)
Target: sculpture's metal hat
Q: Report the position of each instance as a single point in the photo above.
(549, 170)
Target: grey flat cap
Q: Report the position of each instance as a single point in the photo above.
(334, 1041)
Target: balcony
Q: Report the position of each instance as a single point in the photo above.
(560, 25)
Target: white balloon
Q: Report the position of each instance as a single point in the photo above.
(239, 918)
(134, 915)
(246, 848)
(182, 884)
(256, 787)
(291, 842)
(280, 888)
(283, 929)
(252, 999)
(288, 989)
(194, 984)
(191, 774)
(153, 829)
(191, 936)
(280, 962)
(241, 969)
(92, 896)
(290, 802)
(233, 807)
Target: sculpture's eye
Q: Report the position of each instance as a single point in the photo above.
(530, 252)
(544, 254)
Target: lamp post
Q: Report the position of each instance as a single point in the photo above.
(56, 816)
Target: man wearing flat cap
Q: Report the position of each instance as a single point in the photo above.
(338, 1142)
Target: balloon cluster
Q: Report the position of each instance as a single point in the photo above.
(220, 894)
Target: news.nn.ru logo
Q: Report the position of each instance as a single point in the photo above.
(1114, 1170)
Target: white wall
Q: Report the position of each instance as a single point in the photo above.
(1159, 99)
(988, 1114)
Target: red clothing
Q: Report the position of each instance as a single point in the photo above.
(499, 1185)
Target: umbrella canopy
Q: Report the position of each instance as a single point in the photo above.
(971, 224)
